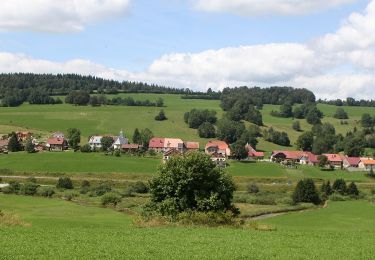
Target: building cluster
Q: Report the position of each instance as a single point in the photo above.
(337, 161)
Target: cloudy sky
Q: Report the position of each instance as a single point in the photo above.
(327, 46)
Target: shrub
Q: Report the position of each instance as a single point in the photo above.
(161, 116)
(117, 153)
(326, 188)
(85, 183)
(305, 191)
(352, 189)
(86, 148)
(14, 187)
(211, 219)
(337, 197)
(128, 192)
(296, 126)
(46, 192)
(29, 188)
(252, 188)
(31, 179)
(102, 189)
(64, 183)
(110, 199)
(69, 195)
(339, 186)
(139, 187)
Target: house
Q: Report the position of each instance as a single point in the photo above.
(290, 156)
(119, 141)
(191, 146)
(336, 160)
(57, 144)
(367, 165)
(308, 158)
(351, 162)
(156, 144)
(23, 135)
(217, 147)
(253, 154)
(173, 143)
(219, 159)
(95, 142)
(58, 135)
(170, 153)
(4, 145)
(131, 147)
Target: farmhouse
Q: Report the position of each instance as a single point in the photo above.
(119, 141)
(57, 144)
(308, 158)
(253, 154)
(351, 162)
(170, 153)
(289, 156)
(191, 146)
(95, 142)
(156, 144)
(335, 160)
(173, 143)
(367, 165)
(217, 147)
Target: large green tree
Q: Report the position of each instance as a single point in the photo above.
(305, 191)
(74, 138)
(191, 182)
(14, 145)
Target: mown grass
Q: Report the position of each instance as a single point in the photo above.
(55, 163)
(63, 230)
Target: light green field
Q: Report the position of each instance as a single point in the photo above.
(97, 163)
(339, 216)
(63, 230)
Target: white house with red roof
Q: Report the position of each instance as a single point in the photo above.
(191, 146)
(120, 140)
(308, 158)
(217, 147)
(293, 156)
(351, 162)
(156, 144)
(335, 160)
(367, 164)
(253, 154)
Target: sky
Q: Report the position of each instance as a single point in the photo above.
(327, 46)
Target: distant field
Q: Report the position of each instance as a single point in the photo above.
(98, 163)
(44, 119)
(64, 230)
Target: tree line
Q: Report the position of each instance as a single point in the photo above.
(350, 102)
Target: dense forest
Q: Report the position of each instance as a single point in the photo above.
(350, 102)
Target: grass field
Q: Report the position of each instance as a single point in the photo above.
(98, 163)
(63, 230)
(44, 119)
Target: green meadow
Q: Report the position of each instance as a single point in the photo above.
(64, 230)
(53, 163)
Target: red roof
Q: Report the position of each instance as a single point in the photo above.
(156, 143)
(56, 141)
(192, 145)
(256, 154)
(353, 161)
(219, 144)
(333, 157)
(311, 157)
(368, 162)
(291, 155)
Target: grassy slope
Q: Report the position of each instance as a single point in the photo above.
(341, 216)
(62, 230)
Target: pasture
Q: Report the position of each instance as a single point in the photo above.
(64, 230)
(55, 163)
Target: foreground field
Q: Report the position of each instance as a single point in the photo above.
(97, 163)
(63, 230)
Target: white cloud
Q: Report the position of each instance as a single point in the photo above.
(268, 7)
(336, 65)
(57, 15)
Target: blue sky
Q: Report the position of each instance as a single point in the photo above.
(130, 44)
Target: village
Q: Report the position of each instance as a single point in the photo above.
(219, 151)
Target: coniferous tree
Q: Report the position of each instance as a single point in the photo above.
(305, 191)
(352, 189)
(137, 138)
(340, 187)
(29, 146)
(14, 145)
